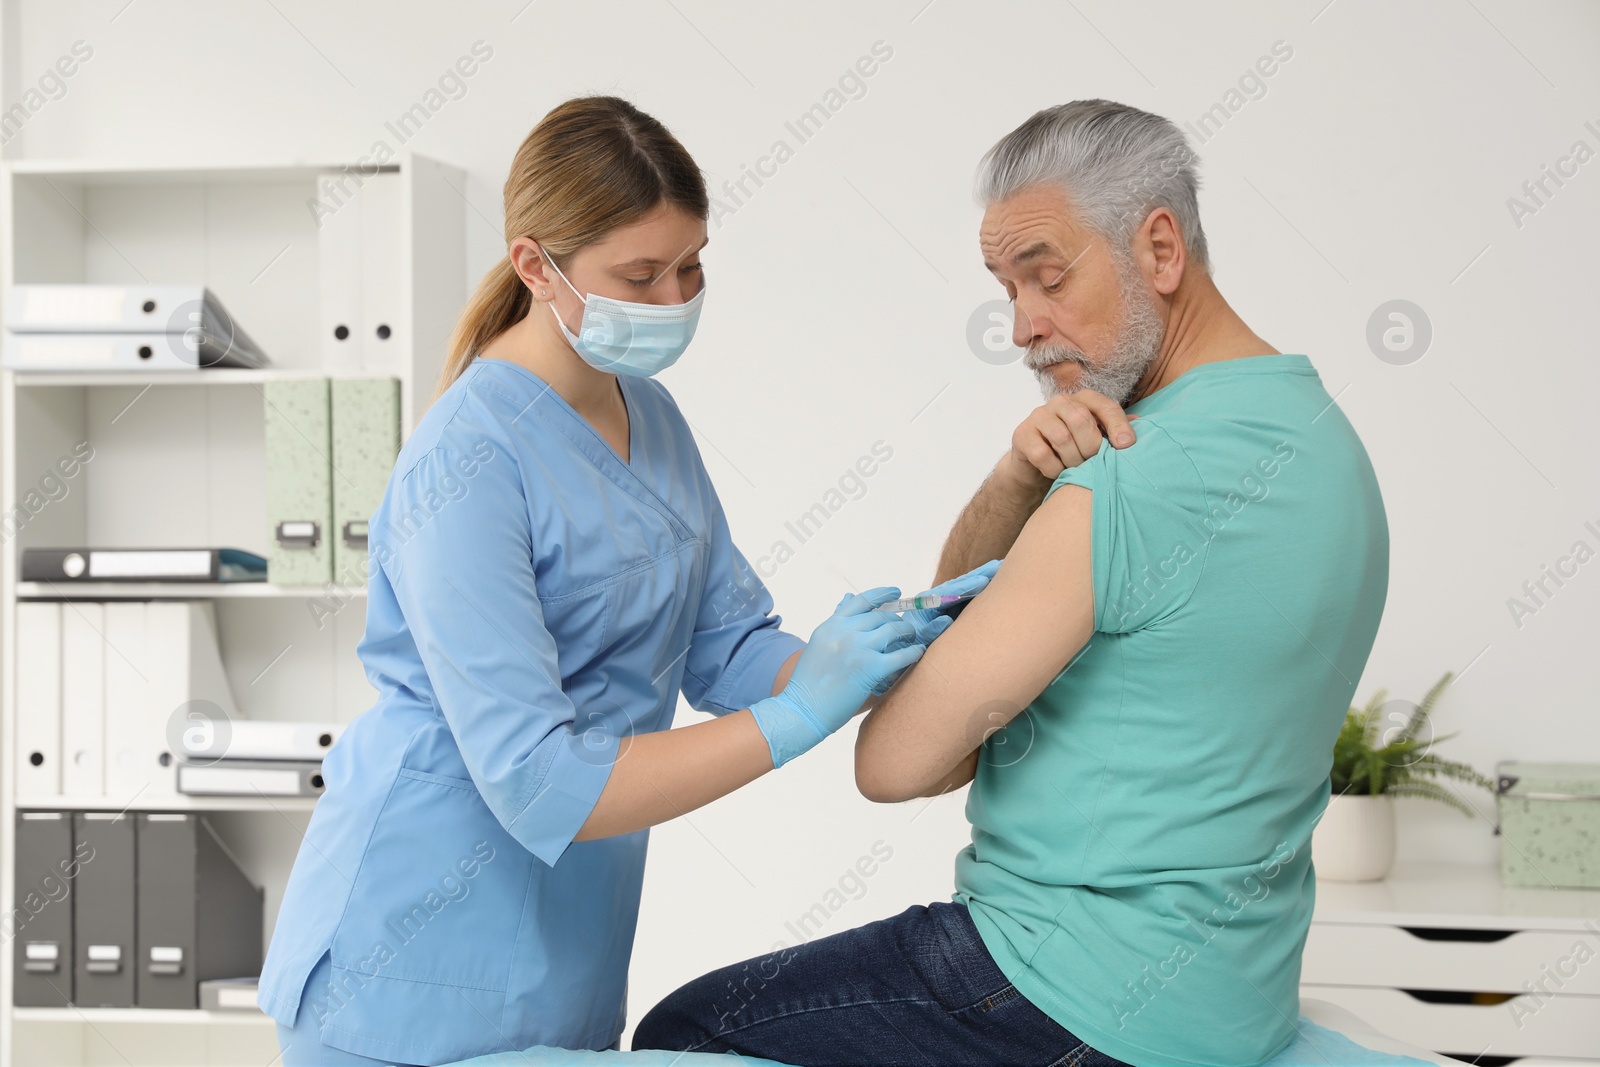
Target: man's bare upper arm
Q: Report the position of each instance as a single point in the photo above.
(1005, 648)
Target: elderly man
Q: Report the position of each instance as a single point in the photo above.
(1146, 696)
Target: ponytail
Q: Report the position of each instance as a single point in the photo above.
(500, 302)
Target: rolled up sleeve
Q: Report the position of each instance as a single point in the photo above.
(1148, 537)
(457, 549)
(738, 646)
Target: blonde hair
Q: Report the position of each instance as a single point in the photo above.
(591, 165)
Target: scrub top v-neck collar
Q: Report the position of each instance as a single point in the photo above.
(628, 476)
(628, 405)
(628, 413)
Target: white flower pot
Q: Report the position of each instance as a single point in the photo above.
(1354, 842)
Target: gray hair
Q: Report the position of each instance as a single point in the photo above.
(1115, 162)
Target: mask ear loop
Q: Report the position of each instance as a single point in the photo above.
(581, 298)
(583, 301)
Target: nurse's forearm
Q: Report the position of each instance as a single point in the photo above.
(661, 775)
(784, 672)
(992, 519)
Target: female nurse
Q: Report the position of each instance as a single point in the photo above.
(550, 568)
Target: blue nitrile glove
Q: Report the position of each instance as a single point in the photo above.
(856, 653)
(931, 622)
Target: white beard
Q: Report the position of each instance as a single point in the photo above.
(1119, 372)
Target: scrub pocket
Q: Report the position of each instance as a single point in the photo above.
(579, 621)
(437, 902)
(301, 1045)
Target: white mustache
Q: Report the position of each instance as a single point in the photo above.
(1048, 355)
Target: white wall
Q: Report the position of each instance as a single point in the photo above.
(1377, 166)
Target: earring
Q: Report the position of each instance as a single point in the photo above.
(544, 292)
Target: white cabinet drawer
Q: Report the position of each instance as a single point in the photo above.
(1391, 956)
(1522, 1026)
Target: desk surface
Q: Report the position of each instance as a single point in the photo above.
(1463, 896)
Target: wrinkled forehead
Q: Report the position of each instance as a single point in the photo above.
(1029, 226)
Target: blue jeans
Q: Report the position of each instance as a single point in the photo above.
(915, 990)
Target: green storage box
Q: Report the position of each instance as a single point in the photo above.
(299, 494)
(1549, 824)
(366, 437)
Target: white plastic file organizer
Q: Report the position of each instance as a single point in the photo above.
(179, 461)
(1445, 957)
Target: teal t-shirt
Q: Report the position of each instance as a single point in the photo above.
(1140, 865)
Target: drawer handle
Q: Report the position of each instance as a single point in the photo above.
(297, 533)
(1442, 933)
(1471, 1000)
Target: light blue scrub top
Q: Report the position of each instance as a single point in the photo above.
(533, 599)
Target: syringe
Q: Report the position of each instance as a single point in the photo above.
(924, 602)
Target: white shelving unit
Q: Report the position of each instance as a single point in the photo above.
(1446, 957)
(179, 461)
(182, 591)
(179, 803)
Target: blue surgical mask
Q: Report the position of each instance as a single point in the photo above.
(624, 337)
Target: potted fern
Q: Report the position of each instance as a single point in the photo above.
(1381, 753)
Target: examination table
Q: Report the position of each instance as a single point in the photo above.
(1328, 1036)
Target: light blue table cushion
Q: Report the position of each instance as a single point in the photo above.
(1317, 1046)
(1313, 1046)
